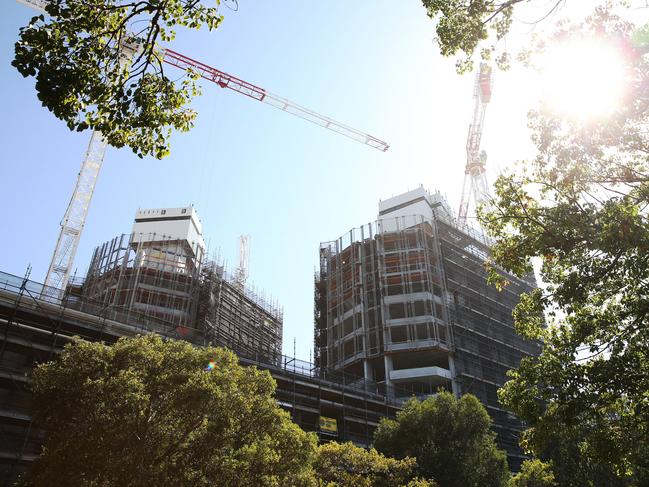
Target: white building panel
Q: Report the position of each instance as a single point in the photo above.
(163, 224)
(410, 209)
(433, 374)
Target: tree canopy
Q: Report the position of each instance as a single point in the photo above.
(534, 473)
(145, 411)
(346, 465)
(462, 26)
(579, 209)
(98, 65)
(450, 438)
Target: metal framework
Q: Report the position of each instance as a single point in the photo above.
(485, 344)
(379, 306)
(34, 331)
(407, 299)
(244, 260)
(155, 279)
(235, 316)
(35, 4)
(225, 80)
(74, 219)
(475, 177)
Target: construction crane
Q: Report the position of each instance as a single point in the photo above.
(475, 176)
(225, 80)
(74, 219)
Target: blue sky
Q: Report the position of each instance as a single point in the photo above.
(251, 169)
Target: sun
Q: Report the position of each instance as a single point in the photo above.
(583, 79)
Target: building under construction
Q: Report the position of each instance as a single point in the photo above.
(35, 329)
(160, 272)
(157, 280)
(404, 302)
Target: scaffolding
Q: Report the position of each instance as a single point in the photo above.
(34, 329)
(379, 294)
(405, 301)
(154, 277)
(238, 317)
(134, 276)
(486, 345)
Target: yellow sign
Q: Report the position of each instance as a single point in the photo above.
(328, 425)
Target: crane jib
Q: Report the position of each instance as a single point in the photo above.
(74, 219)
(224, 80)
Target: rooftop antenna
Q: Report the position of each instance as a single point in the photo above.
(244, 260)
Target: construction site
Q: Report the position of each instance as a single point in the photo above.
(160, 273)
(157, 279)
(402, 307)
(404, 302)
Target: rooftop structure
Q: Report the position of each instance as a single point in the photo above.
(160, 271)
(164, 224)
(404, 301)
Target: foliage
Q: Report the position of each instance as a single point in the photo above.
(534, 473)
(346, 465)
(579, 208)
(149, 412)
(450, 438)
(78, 54)
(463, 24)
(466, 26)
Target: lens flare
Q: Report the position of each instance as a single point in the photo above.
(210, 366)
(583, 79)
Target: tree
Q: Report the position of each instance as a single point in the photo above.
(346, 465)
(79, 57)
(579, 208)
(145, 411)
(465, 25)
(534, 473)
(450, 438)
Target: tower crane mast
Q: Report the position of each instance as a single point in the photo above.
(475, 176)
(60, 268)
(74, 219)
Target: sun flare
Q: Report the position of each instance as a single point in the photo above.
(583, 79)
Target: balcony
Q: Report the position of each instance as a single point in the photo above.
(432, 375)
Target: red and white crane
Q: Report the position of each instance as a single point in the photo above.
(225, 80)
(74, 219)
(475, 176)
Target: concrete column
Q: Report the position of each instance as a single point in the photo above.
(367, 370)
(454, 386)
(387, 361)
